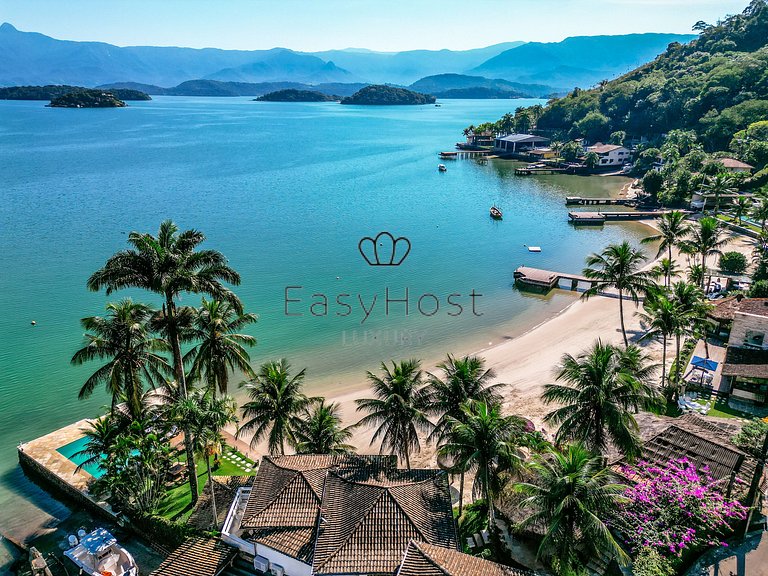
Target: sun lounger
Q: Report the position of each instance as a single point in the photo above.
(486, 539)
(470, 542)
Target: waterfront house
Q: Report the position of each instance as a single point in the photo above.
(735, 166)
(610, 154)
(480, 139)
(744, 322)
(543, 154)
(335, 514)
(516, 143)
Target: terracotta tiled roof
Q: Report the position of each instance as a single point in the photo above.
(724, 309)
(756, 306)
(733, 163)
(746, 362)
(422, 559)
(367, 522)
(282, 509)
(197, 557)
(703, 446)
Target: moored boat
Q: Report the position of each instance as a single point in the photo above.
(496, 213)
(442, 168)
(99, 554)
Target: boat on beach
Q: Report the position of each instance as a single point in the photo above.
(496, 213)
(99, 554)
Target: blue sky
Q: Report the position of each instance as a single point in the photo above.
(387, 25)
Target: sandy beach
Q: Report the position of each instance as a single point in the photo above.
(526, 363)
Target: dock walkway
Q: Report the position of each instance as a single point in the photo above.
(592, 218)
(547, 280)
(453, 154)
(581, 201)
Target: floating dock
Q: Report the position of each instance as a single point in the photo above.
(453, 154)
(580, 201)
(546, 280)
(597, 218)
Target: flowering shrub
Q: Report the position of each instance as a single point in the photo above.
(673, 508)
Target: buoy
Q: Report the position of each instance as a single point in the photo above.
(34, 323)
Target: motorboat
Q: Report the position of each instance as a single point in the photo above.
(98, 554)
(496, 213)
(442, 168)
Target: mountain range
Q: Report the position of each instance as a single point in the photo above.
(33, 58)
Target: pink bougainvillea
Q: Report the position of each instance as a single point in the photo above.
(675, 507)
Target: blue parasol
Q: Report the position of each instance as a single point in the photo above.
(704, 363)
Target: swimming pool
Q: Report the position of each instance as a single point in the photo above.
(70, 451)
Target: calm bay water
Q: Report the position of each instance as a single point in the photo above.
(286, 191)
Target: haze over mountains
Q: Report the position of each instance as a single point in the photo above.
(32, 58)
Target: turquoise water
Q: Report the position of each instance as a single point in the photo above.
(286, 191)
(72, 452)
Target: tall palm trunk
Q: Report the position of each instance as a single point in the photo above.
(664, 358)
(621, 315)
(407, 459)
(213, 492)
(461, 492)
(669, 272)
(181, 382)
(677, 365)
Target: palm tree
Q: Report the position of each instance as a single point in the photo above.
(591, 160)
(760, 211)
(706, 239)
(741, 207)
(320, 430)
(276, 406)
(691, 311)
(661, 317)
(571, 496)
(397, 409)
(604, 386)
(220, 349)
(205, 416)
(170, 264)
(722, 183)
(102, 434)
(483, 442)
(618, 266)
(464, 379)
(665, 268)
(123, 338)
(673, 229)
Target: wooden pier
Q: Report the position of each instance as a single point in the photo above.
(546, 280)
(597, 218)
(533, 171)
(454, 154)
(580, 201)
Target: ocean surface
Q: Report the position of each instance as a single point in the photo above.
(287, 192)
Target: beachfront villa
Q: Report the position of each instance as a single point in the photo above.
(516, 143)
(480, 139)
(310, 515)
(745, 367)
(610, 154)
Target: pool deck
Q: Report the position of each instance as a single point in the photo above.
(42, 455)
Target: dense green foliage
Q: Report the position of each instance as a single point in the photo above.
(293, 95)
(733, 262)
(381, 95)
(751, 437)
(715, 85)
(87, 98)
(50, 92)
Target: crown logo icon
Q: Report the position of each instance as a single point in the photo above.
(384, 250)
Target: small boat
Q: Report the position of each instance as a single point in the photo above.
(438, 105)
(442, 168)
(534, 248)
(99, 554)
(496, 213)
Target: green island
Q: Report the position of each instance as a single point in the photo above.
(636, 445)
(52, 91)
(381, 95)
(86, 98)
(293, 95)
